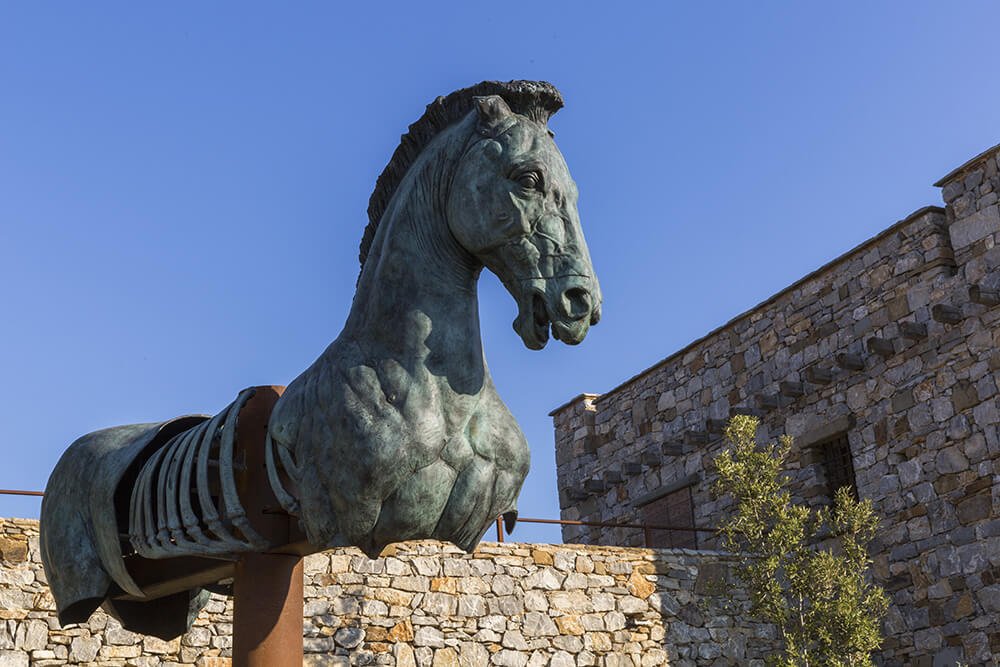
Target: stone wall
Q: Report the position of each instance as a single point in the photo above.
(895, 344)
(430, 605)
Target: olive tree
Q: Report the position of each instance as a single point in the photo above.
(805, 570)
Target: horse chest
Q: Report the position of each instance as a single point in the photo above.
(395, 452)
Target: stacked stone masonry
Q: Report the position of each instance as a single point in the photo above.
(896, 345)
(426, 604)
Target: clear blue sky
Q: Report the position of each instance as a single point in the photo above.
(183, 186)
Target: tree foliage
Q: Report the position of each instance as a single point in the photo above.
(819, 597)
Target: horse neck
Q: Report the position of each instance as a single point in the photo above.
(416, 301)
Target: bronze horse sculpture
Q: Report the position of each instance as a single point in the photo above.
(396, 431)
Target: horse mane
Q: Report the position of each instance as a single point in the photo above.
(537, 100)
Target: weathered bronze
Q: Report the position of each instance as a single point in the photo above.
(395, 432)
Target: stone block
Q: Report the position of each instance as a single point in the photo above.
(973, 179)
(445, 657)
(952, 191)
(987, 413)
(13, 550)
(429, 636)
(746, 410)
(85, 649)
(715, 425)
(964, 395)
(672, 449)
(902, 400)
(791, 389)
(214, 661)
(974, 509)
(984, 295)
(649, 458)
(909, 472)
(946, 314)
(974, 227)
(13, 659)
(880, 346)
(537, 624)
(35, 636)
(951, 459)
(849, 361)
(632, 468)
(819, 375)
(768, 401)
(545, 579)
(695, 437)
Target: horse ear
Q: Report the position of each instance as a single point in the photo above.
(494, 114)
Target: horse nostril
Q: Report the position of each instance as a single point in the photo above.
(575, 303)
(595, 315)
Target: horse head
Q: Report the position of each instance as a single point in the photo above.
(512, 204)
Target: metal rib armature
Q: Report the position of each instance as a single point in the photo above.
(163, 494)
(163, 519)
(285, 499)
(234, 509)
(184, 524)
(189, 518)
(209, 515)
(141, 514)
(212, 513)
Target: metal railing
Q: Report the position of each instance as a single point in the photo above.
(644, 527)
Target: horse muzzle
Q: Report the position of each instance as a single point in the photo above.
(568, 306)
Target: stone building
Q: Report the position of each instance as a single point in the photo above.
(883, 365)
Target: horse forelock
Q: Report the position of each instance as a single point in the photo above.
(536, 100)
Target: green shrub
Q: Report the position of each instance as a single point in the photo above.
(819, 597)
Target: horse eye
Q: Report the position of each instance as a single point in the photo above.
(528, 180)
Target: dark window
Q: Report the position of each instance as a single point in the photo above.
(676, 510)
(838, 465)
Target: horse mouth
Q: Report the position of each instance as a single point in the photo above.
(532, 323)
(535, 320)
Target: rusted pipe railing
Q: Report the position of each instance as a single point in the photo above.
(645, 528)
(602, 524)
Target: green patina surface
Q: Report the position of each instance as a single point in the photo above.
(396, 432)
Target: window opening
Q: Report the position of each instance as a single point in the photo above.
(838, 465)
(673, 509)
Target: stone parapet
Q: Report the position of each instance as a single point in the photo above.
(428, 604)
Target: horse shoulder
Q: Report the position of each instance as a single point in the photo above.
(312, 400)
(495, 434)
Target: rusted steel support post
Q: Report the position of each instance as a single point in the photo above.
(499, 529)
(267, 588)
(267, 611)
